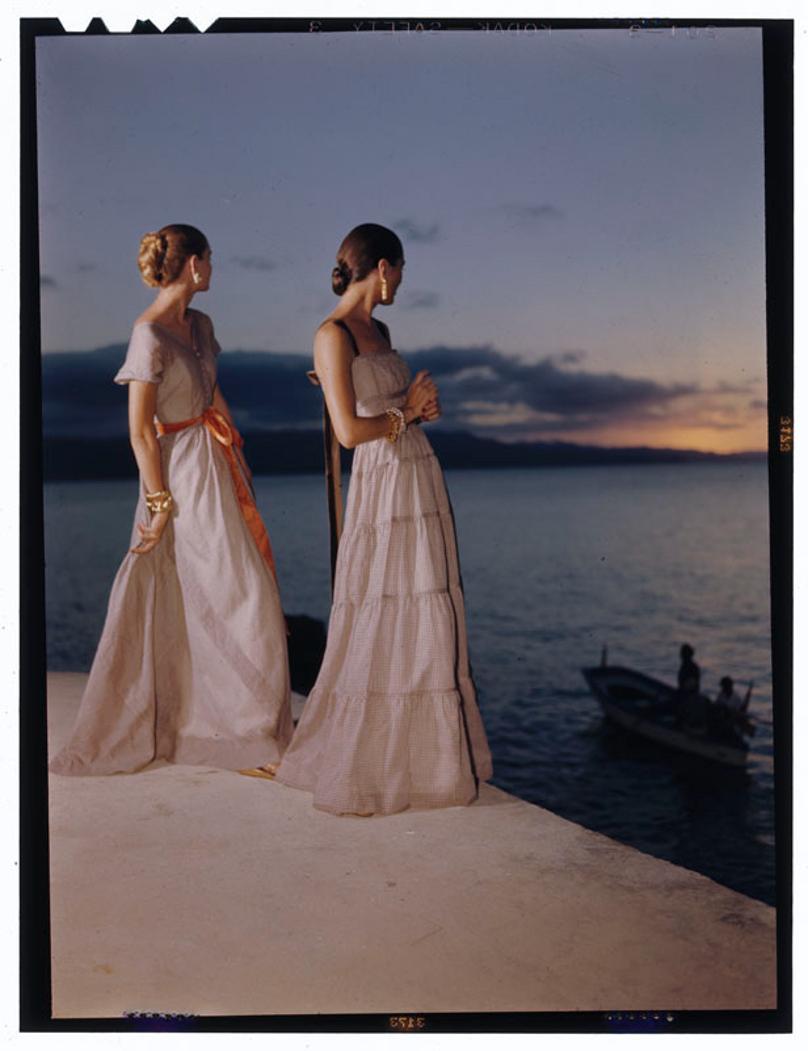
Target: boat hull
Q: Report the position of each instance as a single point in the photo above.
(645, 706)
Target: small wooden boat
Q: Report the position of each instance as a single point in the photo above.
(653, 709)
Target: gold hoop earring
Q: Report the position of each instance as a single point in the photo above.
(384, 290)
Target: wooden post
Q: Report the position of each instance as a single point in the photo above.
(333, 486)
(333, 481)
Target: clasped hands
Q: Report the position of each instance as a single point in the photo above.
(422, 398)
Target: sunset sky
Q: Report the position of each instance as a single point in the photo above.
(582, 211)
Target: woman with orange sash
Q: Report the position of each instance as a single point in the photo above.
(192, 662)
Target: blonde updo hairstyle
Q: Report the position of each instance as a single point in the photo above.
(163, 254)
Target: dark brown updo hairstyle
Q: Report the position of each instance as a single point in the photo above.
(162, 254)
(360, 253)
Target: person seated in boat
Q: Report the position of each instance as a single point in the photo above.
(730, 708)
(689, 705)
(727, 697)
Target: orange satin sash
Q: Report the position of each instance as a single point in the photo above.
(227, 436)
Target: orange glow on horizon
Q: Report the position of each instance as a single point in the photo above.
(751, 438)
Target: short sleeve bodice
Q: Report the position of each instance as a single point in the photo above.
(185, 373)
(144, 355)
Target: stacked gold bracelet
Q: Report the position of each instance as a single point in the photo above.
(159, 501)
(397, 424)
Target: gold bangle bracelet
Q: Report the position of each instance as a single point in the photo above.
(397, 424)
(392, 434)
(165, 504)
(402, 420)
(160, 501)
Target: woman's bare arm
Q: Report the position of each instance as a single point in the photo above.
(142, 433)
(146, 447)
(333, 356)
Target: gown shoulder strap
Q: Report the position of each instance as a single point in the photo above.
(344, 327)
(385, 331)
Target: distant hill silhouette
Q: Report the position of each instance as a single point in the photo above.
(300, 452)
(84, 418)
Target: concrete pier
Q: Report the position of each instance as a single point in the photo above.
(199, 891)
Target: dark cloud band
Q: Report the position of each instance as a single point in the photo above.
(482, 390)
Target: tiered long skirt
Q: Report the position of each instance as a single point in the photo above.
(392, 720)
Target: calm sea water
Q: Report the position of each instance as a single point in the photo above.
(556, 563)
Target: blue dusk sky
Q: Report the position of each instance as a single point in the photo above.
(582, 211)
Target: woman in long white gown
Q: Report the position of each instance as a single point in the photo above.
(392, 720)
(192, 662)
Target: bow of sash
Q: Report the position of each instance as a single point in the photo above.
(228, 436)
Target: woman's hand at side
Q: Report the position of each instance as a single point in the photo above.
(150, 533)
